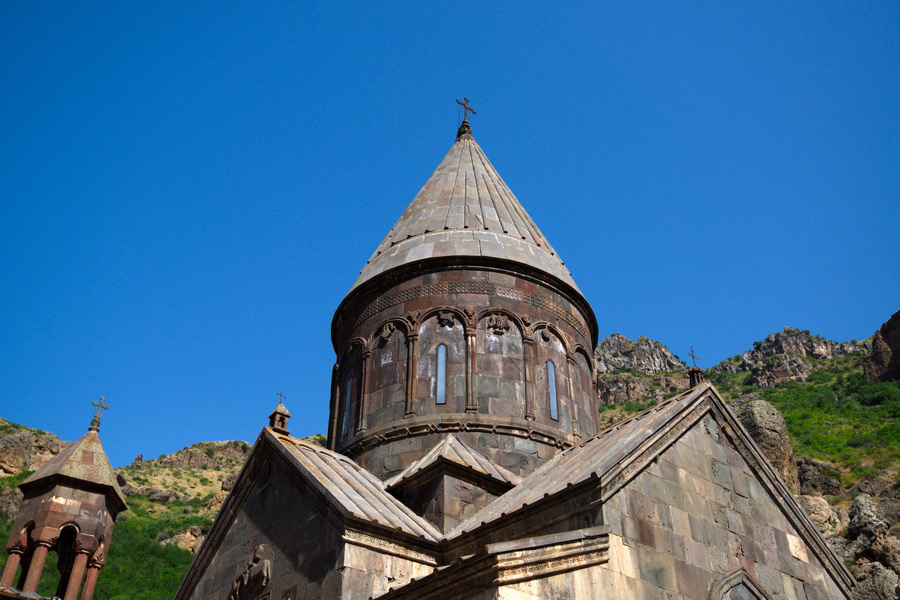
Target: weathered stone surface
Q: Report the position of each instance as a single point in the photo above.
(875, 583)
(767, 428)
(866, 520)
(191, 539)
(821, 514)
(9, 502)
(644, 356)
(817, 478)
(886, 550)
(158, 495)
(26, 449)
(883, 364)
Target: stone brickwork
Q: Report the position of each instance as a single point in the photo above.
(446, 501)
(306, 547)
(698, 513)
(499, 331)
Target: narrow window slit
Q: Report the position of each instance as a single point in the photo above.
(441, 374)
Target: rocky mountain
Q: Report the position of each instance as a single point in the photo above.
(789, 355)
(636, 372)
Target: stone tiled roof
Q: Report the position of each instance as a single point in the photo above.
(593, 458)
(85, 460)
(453, 449)
(465, 209)
(351, 488)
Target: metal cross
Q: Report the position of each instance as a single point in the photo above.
(280, 397)
(100, 406)
(466, 108)
(693, 356)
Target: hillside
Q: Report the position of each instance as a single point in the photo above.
(830, 430)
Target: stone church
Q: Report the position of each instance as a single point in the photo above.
(464, 459)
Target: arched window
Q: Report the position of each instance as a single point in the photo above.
(441, 379)
(551, 384)
(348, 395)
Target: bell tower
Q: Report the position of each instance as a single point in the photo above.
(70, 507)
(464, 321)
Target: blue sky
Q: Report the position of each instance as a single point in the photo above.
(189, 189)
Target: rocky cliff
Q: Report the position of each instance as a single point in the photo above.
(789, 355)
(884, 362)
(618, 353)
(636, 372)
(26, 449)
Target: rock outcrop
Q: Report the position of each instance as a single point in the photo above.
(821, 513)
(787, 355)
(641, 371)
(866, 521)
(767, 428)
(627, 387)
(191, 539)
(645, 356)
(206, 455)
(883, 364)
(817, 478)
(26, 449)
(875, 583)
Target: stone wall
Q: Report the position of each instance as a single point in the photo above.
(500, 333)
(693, 517)
(305, 548)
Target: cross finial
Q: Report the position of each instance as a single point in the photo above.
(693, 356)
(280, 397)
(466, 108)
(95, 422)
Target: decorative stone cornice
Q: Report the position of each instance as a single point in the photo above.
(452, 423)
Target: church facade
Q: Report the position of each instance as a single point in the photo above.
(464, 458)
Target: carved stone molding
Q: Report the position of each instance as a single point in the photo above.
(734, 579)
(640, 461)
(381, 545)
(393, 432)
(472, 287)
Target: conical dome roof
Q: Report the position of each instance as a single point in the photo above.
(465, 209)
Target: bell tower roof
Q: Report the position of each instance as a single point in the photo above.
(465, 209)
(84, 461)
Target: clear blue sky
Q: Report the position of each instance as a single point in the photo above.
(189, 189)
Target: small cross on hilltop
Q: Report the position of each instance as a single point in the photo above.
(466, 108)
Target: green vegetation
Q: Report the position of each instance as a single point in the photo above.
(318, 439)
(844, 418)
(138, 567)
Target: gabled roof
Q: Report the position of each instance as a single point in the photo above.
(465, 209)
(611, 457)
(86, 461)
(351, 489)
(454, 450)
(591, 459)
